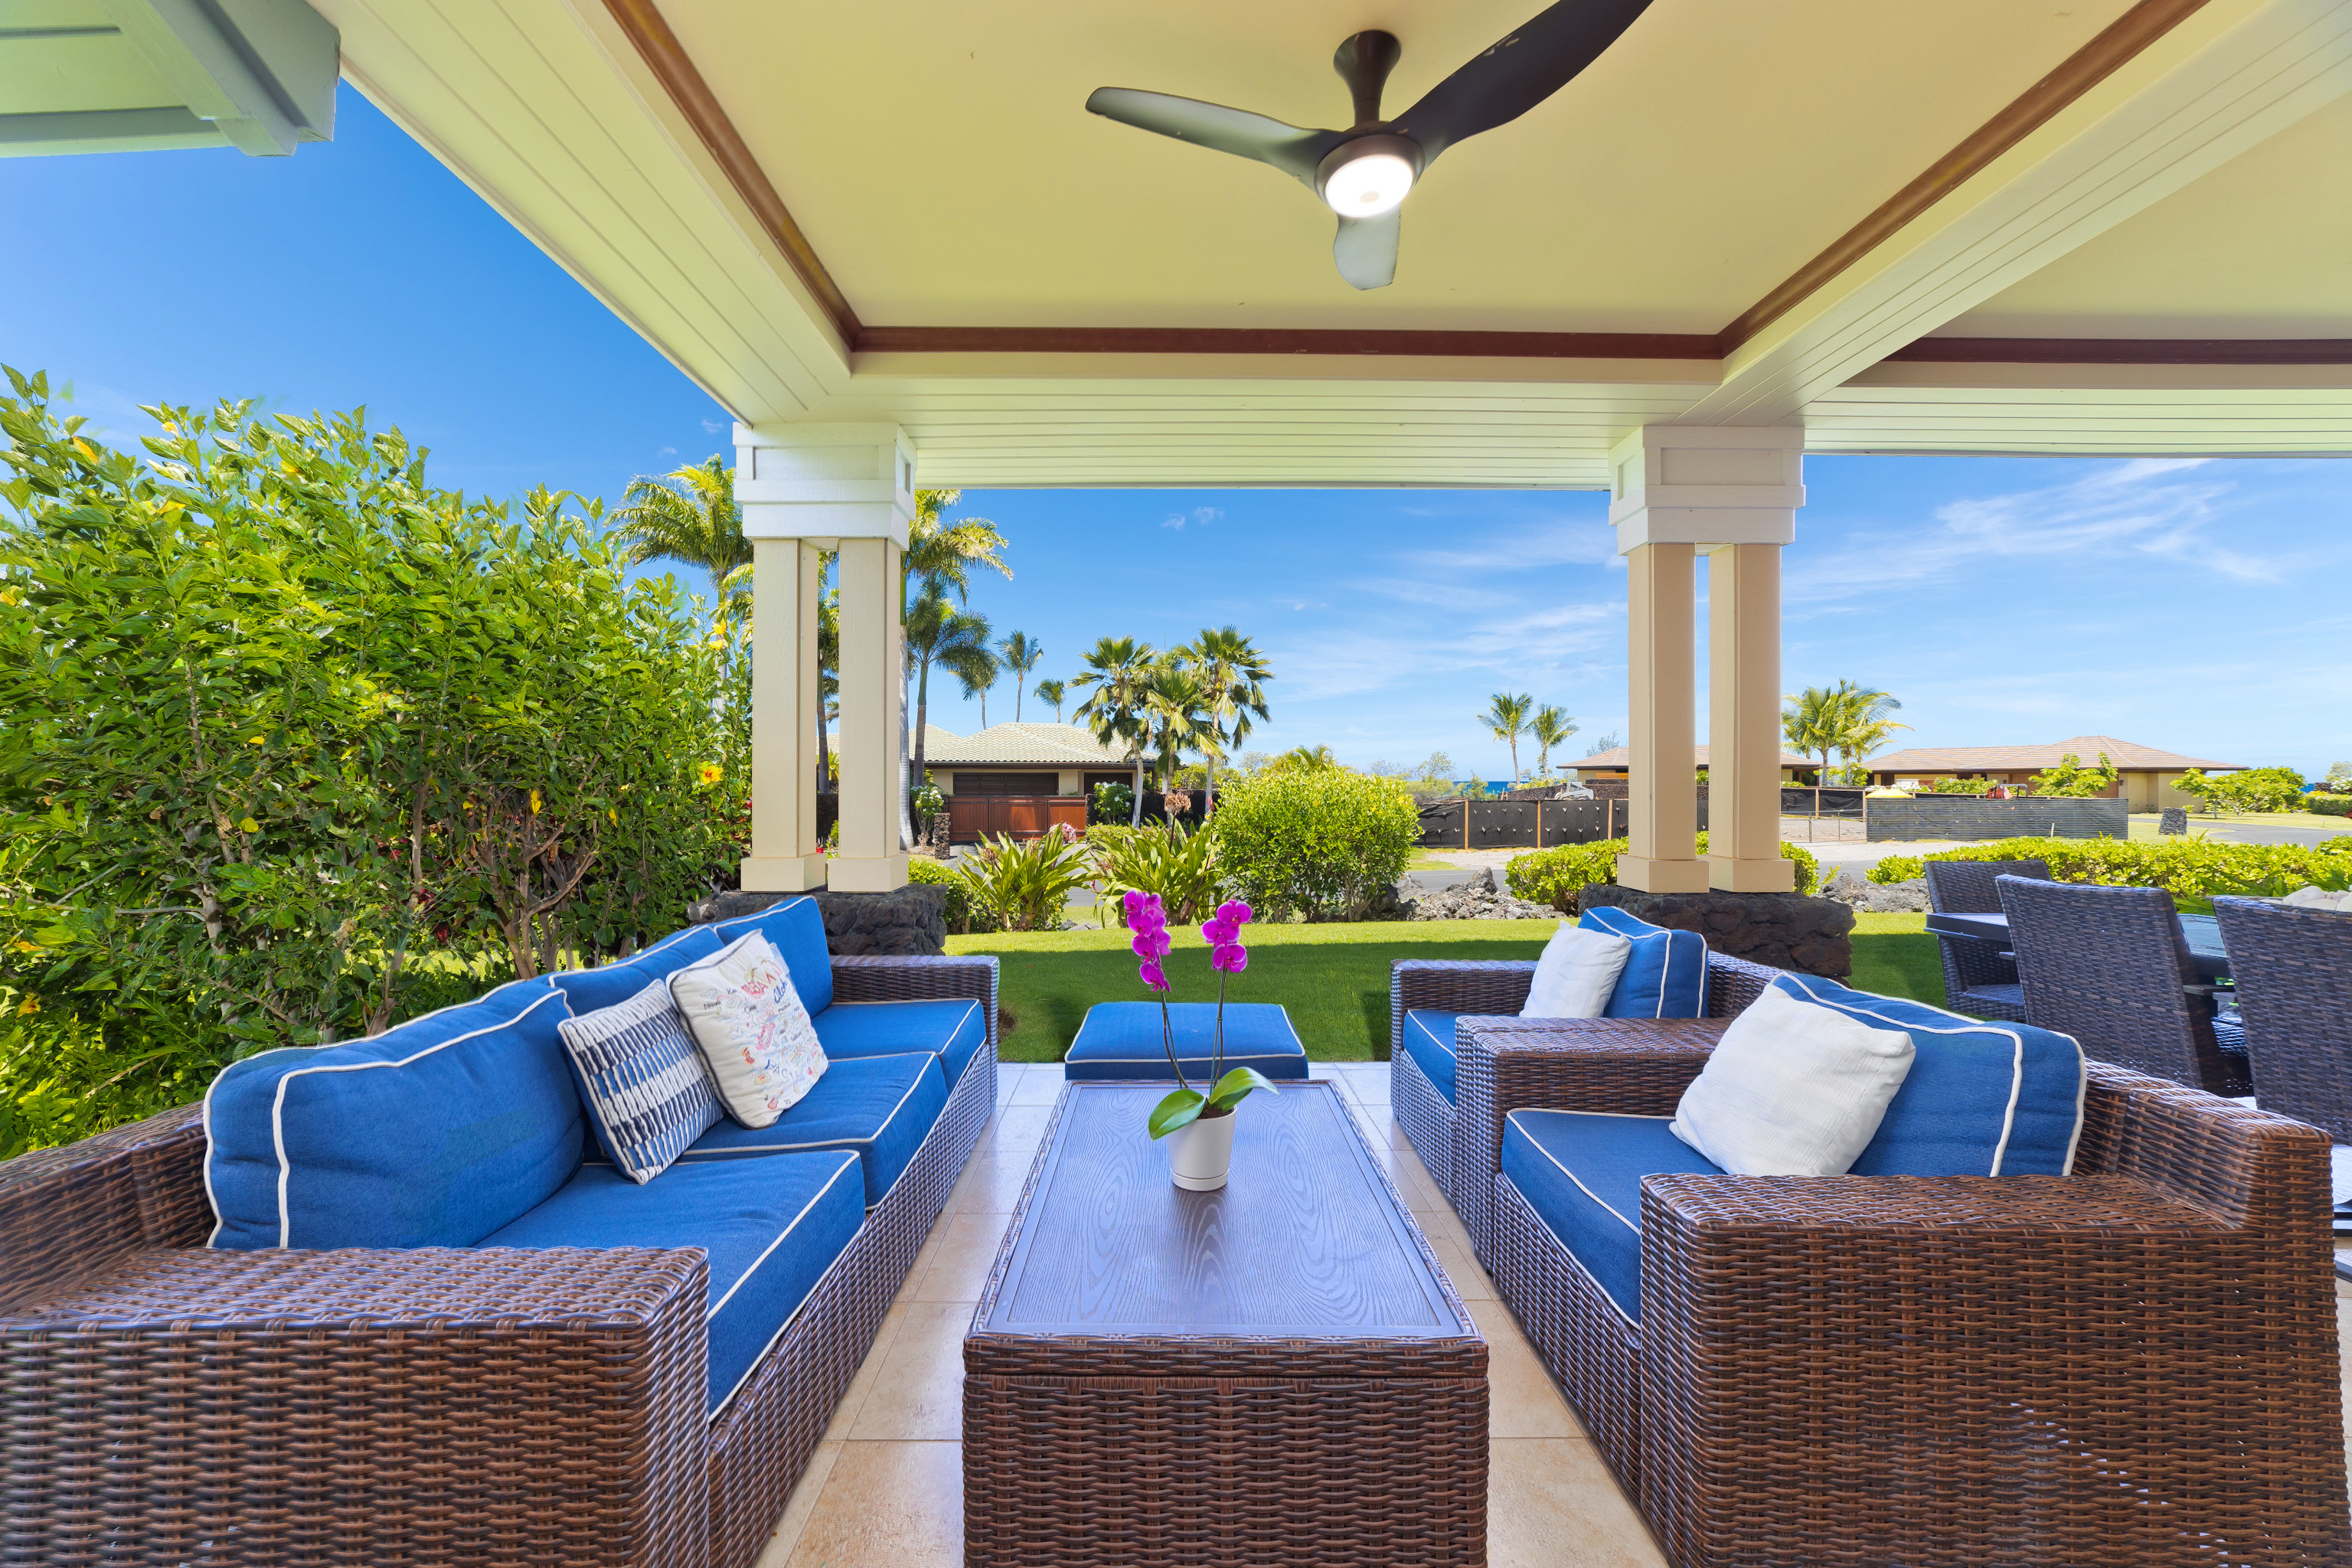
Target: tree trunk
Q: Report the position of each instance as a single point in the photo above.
(922, 713)
(1136, 818)
(1209, 791)
(823, 774)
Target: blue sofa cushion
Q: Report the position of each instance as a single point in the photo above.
(771, 1228)
(1429, 1041)
(1664, 975)
(592, 990)
(1581, 1172)
(951, 1030)
(1982, 1100)
(797, 929)
(432, 1134)
(878, 1107)
(1123, 1041)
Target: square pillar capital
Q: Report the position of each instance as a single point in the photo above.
(1707, 485)
(825, 481)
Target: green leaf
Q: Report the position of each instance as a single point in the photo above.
(1235, 1085)
(1180, 1108)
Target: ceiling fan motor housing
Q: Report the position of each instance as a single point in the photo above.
(1378, 141)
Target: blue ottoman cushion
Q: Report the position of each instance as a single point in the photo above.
(951, 1030)
(771, 1228)
(1664, 975)
(1123, 1041)
(1429, 1041)
(1581, 1172)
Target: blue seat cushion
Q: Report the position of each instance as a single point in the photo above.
(1581, 1172)
(1429, 1041)
(432, 1134)
(1980, 1099)
(771, 1228)
(880, 1108)
(797, 932)
(951, 1030)
(591, 990)
(1665, 975)
(1124, 1040)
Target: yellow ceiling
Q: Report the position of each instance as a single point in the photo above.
(937, 154)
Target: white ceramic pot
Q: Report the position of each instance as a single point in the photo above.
(1200, 1153)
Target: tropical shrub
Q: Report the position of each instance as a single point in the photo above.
(1163, 858)
(1956, 786)
(924, 869)
(2251, 789)
(2190, 869)
(2328, 804)
(1112, 803)
(1899, 868)
(1557, 875)
(1315, 841)
(1024, 885)
(2070, 779)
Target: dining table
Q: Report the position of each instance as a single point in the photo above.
(2202, 933)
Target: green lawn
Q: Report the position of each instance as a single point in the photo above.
(1334, 979)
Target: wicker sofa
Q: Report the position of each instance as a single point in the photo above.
(172, 1400)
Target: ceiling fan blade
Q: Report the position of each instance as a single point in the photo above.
(1366, 248)
(1293, 150)
(1534, 60)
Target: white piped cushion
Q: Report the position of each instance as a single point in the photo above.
(750, 1027)
(1576, 973)
(1792, 1090)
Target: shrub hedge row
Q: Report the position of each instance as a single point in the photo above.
(2188, 868)
(1555, 876)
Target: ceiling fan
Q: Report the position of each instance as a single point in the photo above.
(1365, 171)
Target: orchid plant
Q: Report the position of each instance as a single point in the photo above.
(1147, 919)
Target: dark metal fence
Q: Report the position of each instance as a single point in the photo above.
(1799, 800)
(1519, 823)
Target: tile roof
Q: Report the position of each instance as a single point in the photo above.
(1622, 756)
(2128, 756)
(1021, 743)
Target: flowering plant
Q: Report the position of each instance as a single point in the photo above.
(1147, 919)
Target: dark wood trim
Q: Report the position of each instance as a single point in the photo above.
(1282, 341)
(2126, 351)
(667, 58)
(2084, 69)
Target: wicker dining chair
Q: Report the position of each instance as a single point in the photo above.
(2294, 974)
(1978, 978)
(2109, 966)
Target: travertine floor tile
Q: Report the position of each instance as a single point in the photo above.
(961, 1263)
(1522, 1401)
(1470, 1281)
(1015, 1129)
(779, 1550)
(1039, 1086)
(888, 1505)
(1551, 1503)
(918, 1393)
(992, 1183)
(861, 1383)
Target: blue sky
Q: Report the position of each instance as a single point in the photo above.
(2198, 606)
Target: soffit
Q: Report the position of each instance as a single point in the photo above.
(938, 157)
(2260, 246)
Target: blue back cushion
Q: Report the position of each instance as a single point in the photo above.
(1982, 1100)
(1429, 1042)
(797, 930)
(951, 1030)
(1664, 975)
(433, 1135)
(592, 990)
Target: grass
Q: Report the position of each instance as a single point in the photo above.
(1334, 979)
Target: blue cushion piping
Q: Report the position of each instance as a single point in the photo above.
(1446, 1045)
(883, 1126)
(218, 1219)
(1970, 1027)
(277, 1102)
(1536, 1144)
(849, 1162)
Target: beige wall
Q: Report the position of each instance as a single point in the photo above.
(1069, 781)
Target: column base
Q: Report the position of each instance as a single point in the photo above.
(1661, 876)
(1812, 936)
(1727, 874)
(867, 873)
(783, 873)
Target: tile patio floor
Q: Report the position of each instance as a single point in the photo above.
(885, 1487)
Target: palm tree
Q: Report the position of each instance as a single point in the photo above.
(1550, 728)
(941, 553)
(689, 515)
(1019, 653)
(1052, 692)
(979, 676)
(1507, 717)
(1176, 713)
(1866, 723)
(1118, 671)
(1814, 724)
(828, 670)
(1232, 675)
(938, 633)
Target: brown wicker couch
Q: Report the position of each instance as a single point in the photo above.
(2133, 1364)
(168, 1403)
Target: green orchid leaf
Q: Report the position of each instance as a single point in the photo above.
(1235, 1087)
(1180, 1108)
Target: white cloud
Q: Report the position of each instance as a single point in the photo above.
(1203, 515)
(1174, 519)
(712, 426)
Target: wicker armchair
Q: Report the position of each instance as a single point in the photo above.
(170, 1404)
(1978, 977)
(1953, 1371)
(2109, 966)
(2294, 974)
(1496, 990)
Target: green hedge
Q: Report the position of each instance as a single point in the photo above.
(2329, 804)
(1318, 843)
(2188, 868)
(1555, 876)
(935, 873)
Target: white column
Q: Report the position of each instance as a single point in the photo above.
(786, 856)
(850, 488)
(1732, 493)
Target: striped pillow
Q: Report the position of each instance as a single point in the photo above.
(647, 1092)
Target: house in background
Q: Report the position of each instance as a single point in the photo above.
(1614, 762)
(2146, 781)
(1022, 759)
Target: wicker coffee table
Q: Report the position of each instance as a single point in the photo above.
(1278, 1373)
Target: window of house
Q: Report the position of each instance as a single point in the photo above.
(1007, 784)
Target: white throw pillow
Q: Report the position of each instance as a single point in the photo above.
(751, 1028)
(2316, 898)
(1792, 1090)
(1577, 973)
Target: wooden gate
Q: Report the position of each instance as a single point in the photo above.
(974, 816)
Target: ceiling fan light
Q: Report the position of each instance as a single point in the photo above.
(1369, 176)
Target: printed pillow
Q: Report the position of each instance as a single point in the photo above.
(1665, 975)
(647, 1092)
(1792, 1090)
(1576, 974)
(748, 1021)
